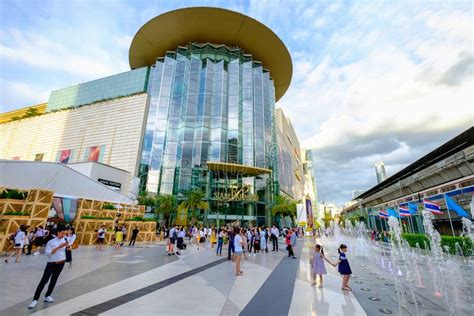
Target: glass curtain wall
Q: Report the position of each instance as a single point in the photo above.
(208, 103)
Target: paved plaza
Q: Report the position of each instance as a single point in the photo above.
(145, 281)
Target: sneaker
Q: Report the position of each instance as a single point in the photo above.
(32, 304)
(48, 299)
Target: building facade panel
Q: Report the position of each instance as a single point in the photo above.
(107, 132)
(290, 167)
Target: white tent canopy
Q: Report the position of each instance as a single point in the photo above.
(59, 178)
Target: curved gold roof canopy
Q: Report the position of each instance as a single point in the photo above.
(217, 26)
(243, 170)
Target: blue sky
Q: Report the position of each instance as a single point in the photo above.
(372, 80)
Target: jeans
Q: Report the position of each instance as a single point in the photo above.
(52, 271)
(220, 242)
(249, 245)
(231, 249)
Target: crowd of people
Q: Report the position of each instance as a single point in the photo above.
(24, 239)
(238, 242)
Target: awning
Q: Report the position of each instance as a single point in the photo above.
(243, 170)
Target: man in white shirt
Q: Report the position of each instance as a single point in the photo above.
(274, 237)
(56, 257)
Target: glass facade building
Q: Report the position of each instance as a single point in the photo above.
(112, 87)
(211, 103)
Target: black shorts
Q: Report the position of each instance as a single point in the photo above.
(100, 240)
(39, 241)
(202, 240)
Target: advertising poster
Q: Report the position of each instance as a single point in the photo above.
(309, 213)
(65, 156)
(94, 153)
(181, 217)
(39, 157)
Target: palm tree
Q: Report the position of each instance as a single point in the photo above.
(194, 202)
(165, 204)
(284, 207)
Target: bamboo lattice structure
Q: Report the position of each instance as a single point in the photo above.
(36, 205)
(86, 229)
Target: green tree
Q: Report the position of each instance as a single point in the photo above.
(327, 218)
(166, 205)
(284, 207)
(194, 203)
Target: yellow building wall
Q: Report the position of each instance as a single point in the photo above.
(117, 124)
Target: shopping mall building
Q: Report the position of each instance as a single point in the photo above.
(197, 111)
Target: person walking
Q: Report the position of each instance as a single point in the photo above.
(274, 237)
(18, 244)
(213, 238)
(173, 234)
(249, 241)
(101, 237)
(263, 240)
(289, 246)
(202, 238)
(135, 232)
(124, 233)
(31, 241)
(180, 241)
(118, 239)
(231, 250)
(256, 242)
(238, 244)
(220, 242)
(294, 238)
(56, 258)
(71, 238)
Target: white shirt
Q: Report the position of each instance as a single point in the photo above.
(20, 238)
(275, 231)
(181, 234)
(99, 233)
(171, 233)
(60, 254)
(40, 232)
(71, 239)
(238, 243)
(202, 233)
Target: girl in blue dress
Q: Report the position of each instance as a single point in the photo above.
(344, 267)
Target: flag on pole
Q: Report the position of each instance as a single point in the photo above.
(404, 211)
(453, 206)
(413, 208)
(432, 207)
(383, 214)
(392, 212)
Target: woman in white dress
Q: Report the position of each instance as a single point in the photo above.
(263, 241)
(19, 243)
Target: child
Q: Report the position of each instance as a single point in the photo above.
(318, 267)
(344, 267)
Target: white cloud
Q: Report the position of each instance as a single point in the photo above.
(38, 51)
(29, 94)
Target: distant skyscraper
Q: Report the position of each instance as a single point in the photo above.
(380, 171)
